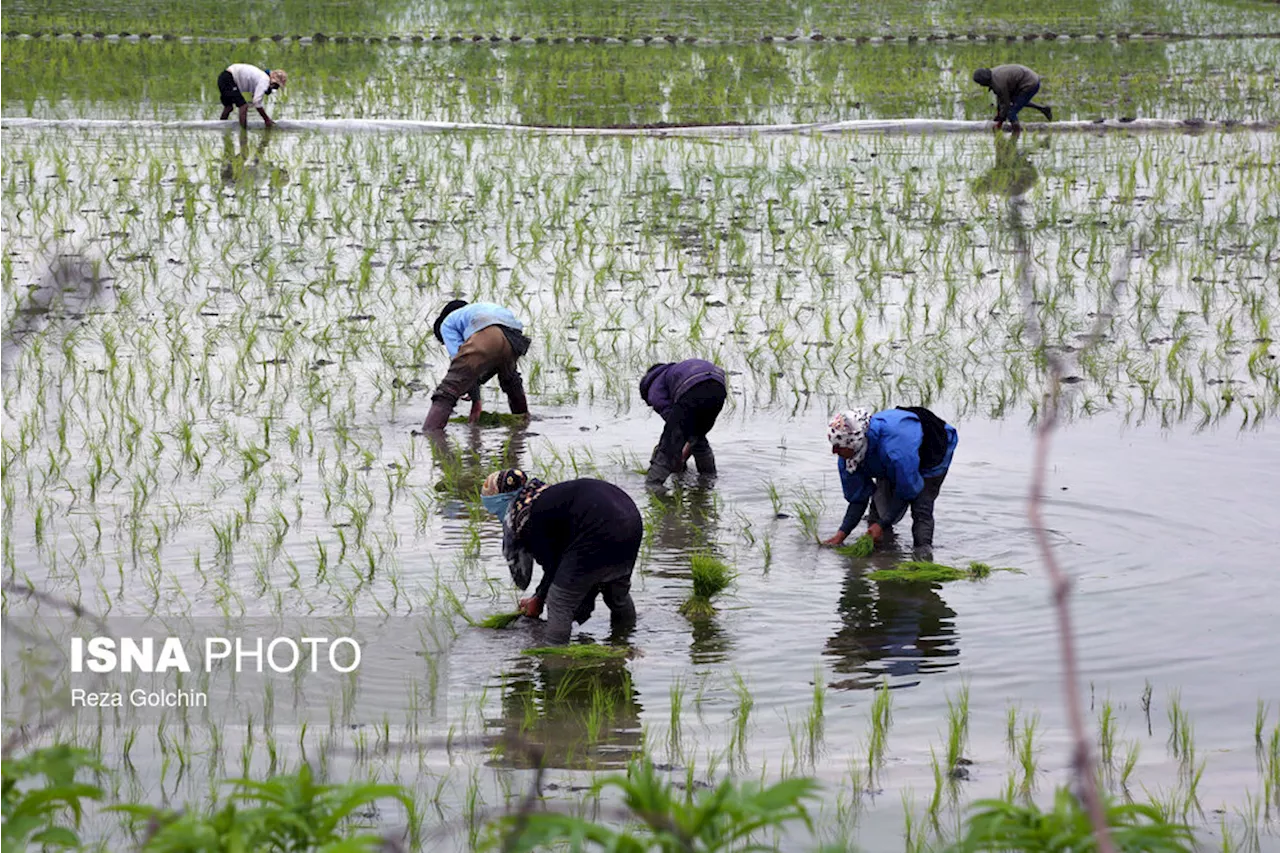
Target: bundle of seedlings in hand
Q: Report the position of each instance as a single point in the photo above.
(499, 620)
(710, 578)
(860, 547)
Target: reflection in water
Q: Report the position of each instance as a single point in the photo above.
(684, 520)
(680, 523)
(463, 469)
(1013, 173)
(584, 717)
(237, 168)
(898, 630)
(70, 288)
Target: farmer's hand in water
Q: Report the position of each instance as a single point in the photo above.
(876, 532)
(531, 606)
(476, 408)
(838, 539)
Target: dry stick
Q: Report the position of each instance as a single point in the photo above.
(1082, 760)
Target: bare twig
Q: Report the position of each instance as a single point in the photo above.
(1081, 759)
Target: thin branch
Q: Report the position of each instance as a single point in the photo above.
(1081, 758)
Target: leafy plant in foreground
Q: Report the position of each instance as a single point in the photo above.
(998, 825)
(672, 821)
(289, 812)
(34, 815)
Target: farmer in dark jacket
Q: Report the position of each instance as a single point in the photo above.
(893, 459)
(689, 396)
(1014, 87)
(483, 340)
(585, 533)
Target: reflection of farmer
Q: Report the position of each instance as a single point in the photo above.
(580, 718)
(891, 629)
(1014, 87)
(893, 459)
(689, 396)
(237, 165)
(585, 533)
(258, 82)
(1013, 173)
(483, 340)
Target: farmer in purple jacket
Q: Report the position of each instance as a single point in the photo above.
(689, 395)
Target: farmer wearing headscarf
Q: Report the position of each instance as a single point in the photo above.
(585, 533)
(1014, 87)
(240, 78)
(893, 459)
(688, 395)
(483, 340)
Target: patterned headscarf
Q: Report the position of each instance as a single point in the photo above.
(849, 430)
(527, 490)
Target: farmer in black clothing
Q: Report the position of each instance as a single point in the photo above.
(688, 395)
(1014, 87)
(585, 533)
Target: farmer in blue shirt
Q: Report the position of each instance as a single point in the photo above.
(483, 340)
(688, 395)
(893, 459)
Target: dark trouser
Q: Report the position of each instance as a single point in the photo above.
(690, 419)
(482, 356)
(229, 92)
(1023, 99)
(574, 600)
(921, 511)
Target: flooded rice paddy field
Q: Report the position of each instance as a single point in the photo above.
(218, 348)
(218, 422)
(589, 85)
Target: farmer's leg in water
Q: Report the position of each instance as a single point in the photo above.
(480, 357)
(1024, 100)
(922, 518)
(701, 407)
(667, 458)
(511, 383)
(617, 597)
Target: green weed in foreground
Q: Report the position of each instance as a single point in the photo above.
(1001, 825)
(919, 571)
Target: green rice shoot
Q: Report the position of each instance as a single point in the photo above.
(585, 652)
(921, 571)
(710, 576)
(498, 620)
(860, 547)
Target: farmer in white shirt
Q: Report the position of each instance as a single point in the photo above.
(239, 79)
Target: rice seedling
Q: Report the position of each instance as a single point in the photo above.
(711, 576)
(916, 571)
(579, 652)
(881, 718)
(863, 546)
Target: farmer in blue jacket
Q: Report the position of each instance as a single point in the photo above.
(689, 395)
(893, 459)
(483, 340)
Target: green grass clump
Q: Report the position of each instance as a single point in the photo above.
(494, 419)
(696, 607)
(710, 576)
(499, 620)
(585, 652)
(860, 547)
(921, 571)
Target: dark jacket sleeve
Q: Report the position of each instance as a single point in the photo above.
(548, 577)
(660, 394)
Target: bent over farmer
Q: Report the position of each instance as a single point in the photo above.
(586, 535)
(688, 395)
(1014, 87)
(483, 340)
(258, 82)
(893, 460)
